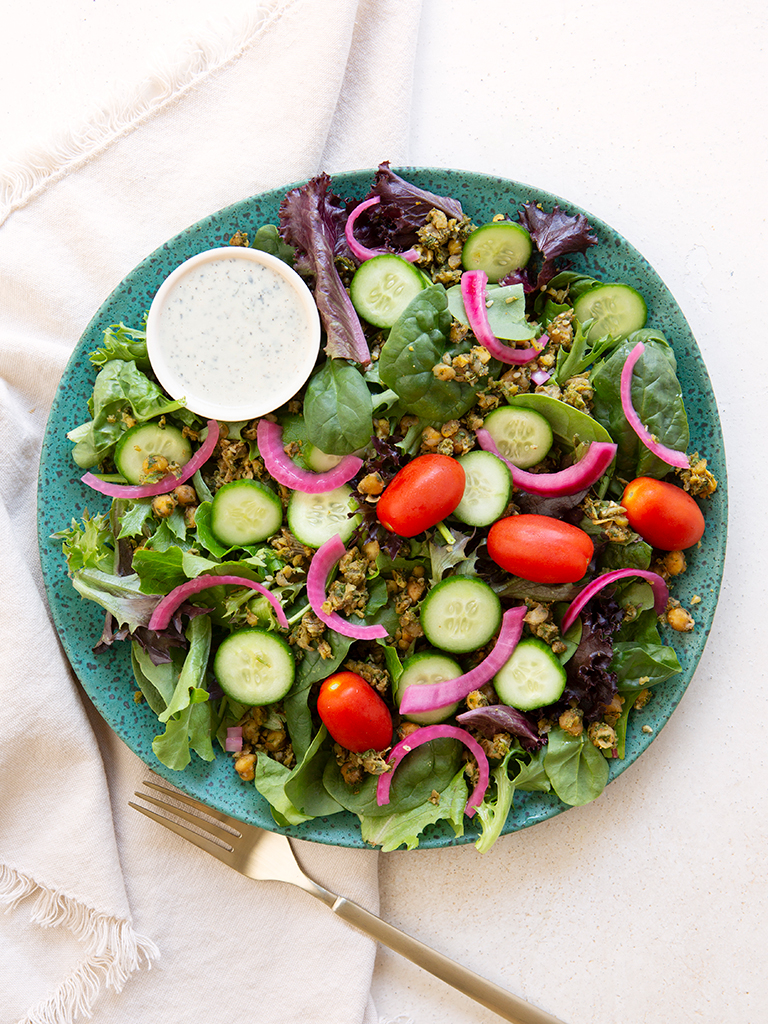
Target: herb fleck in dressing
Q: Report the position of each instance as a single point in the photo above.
(233, 334)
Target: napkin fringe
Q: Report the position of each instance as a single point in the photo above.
(23, 178)
(114, 951)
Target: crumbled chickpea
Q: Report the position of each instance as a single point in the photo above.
(372, 484)
(275, 739)
(245, 766)
(641, 700)
(680, 619)
(602, 736)
(155, 465)
(185, 495)
(571, 721)
(351, 773)
(407, 729)
(163, 505)
(674, 563)
(431, 438)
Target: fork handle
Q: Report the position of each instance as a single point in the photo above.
(493, 997)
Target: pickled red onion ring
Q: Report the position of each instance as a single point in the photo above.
(578, 477)
(320, 567)
(473, 285)
(283, 469)
(429, 696)
(361, 252)
(435, 732)
(165, 608)
(660, 592)
(668, 455)
(168, 483)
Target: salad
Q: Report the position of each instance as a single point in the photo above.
(442, 573)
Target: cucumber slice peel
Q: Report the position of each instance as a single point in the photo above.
(460, 614)
(423, 669)
(497, 248)
(314, 518)
(615, 309)
(486, 490)
(254, 666)
(245, 512)
(533, 677)
(147, 441)
(383, 286)
(523, 436)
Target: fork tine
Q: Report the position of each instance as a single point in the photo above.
(220, 852)
(194, 819)
(233, 823)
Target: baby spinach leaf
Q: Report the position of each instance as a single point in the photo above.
(399, 827)
(417, 343)
(338, 409)
(638, 665)
(269, 780)
(304, 788)
(506, 314)
(119, 386)
(570, 426)
(577, 770)
(428, 768)
(657, 397)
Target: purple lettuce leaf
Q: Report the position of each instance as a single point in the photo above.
(590, 682)
(502, 718)
(555, 234)
(404, 207)
(312, 220)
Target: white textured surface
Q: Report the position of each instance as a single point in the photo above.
(650, 905)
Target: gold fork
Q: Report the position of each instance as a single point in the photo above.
(267, 856)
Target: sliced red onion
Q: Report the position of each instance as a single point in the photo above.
(283, 469)
(168, 483)
(234, 740)
(540, 376)
(473, 291)
(320, 567)
(361, 252)
(436, 732)
(660, 592)
(668, 455)
(430, 696)
(578, 477)
(165, 608)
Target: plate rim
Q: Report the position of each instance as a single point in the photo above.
(528, 811)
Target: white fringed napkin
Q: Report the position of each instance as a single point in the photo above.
(94, 894)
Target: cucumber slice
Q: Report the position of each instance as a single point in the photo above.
(319, 461)
(523, 436)
(148, 440)
(383, 286)
(420, 670)
(532, 678)
(617, 309)
(245, 512)
(497, 248)
(253, 666)
(460, 614)
(315, 518)
(486, 489)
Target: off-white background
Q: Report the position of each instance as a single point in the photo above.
(648, 906)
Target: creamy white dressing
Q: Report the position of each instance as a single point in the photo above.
(233, 331)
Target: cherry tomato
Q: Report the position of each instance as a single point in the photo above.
(664, 515)
(354, 713)
(426, 490)
(540, 548)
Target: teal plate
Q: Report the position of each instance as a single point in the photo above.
(107, 678)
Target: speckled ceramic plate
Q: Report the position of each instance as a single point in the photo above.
(108, 679)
